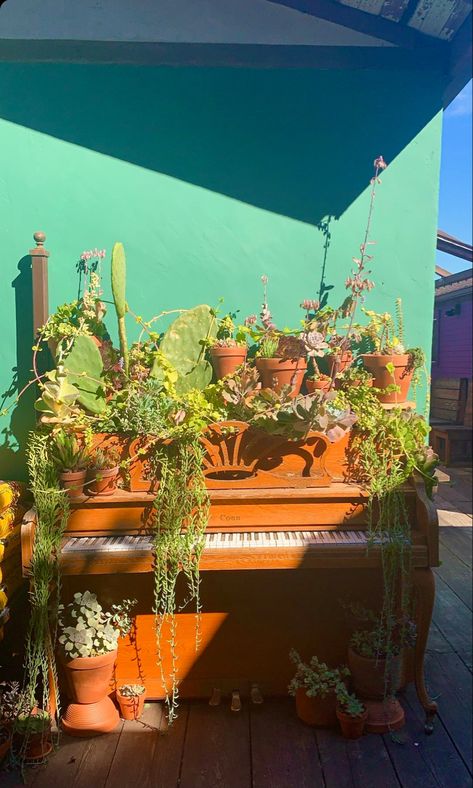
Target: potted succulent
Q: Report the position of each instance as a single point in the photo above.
(376, 664)
(280, 362)
(391, 364)
(228, 352)
(131, 699)
(104, 470)
(71, 459)
(318, 382)
(32, 738)
(351, 713)
(88, 637)
(314, 686)
(280, 355)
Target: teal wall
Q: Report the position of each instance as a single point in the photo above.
(212, 177)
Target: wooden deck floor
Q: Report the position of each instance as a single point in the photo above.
(267, 747)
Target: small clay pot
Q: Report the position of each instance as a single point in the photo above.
(319, 712)
(104, 481)
(351, 727)
(225, 360)
(73, 482)
(377, 365)
(318, 385)
(277, 372)
(368, 675)
(131, 708)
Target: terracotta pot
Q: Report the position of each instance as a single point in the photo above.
(73, 482)
(277, 372)
(320, 712)
(318, 385)
(384, 716)
(377, 363)
(88, 681)
(339, 362)
(351, 727)
(225, 360)
(131, 708)
(104, 481)
(368, 675)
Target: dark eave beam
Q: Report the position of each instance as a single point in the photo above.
(455, 248)
(369, 24)
(460, 62)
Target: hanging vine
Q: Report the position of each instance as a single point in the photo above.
(52, 511)
(181, 515)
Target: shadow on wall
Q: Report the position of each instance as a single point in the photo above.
(297, 143)
(13, 436)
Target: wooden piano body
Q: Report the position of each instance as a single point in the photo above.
(276, 564)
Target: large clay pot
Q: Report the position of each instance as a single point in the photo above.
(277, 372)
(368, 675)
(377, 365)
(319, 712)
(88, 681)
(225, 360)
(131, 708)
(73, 482)
(104, 481)
(351, 727)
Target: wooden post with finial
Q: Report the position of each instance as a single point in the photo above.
(39, 275)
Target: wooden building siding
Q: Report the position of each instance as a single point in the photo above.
(453, 347)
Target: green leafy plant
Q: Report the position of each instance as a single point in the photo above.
(354, 375)
(10, 701)
(372, 642)
(67, 453)
(315, 677)
(229, 335)
(29, 723)
(268, 346)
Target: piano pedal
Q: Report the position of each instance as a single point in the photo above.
(255, 694)
(216, 697)
(236, 701)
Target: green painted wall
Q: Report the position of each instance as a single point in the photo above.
(211, 178)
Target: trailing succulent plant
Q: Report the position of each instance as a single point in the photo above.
(315, 677)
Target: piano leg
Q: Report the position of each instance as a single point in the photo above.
(424, 591)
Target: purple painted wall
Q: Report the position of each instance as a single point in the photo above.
(453, 346)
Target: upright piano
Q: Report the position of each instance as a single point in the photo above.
(280, 555)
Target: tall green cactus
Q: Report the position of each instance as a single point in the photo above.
(183, 345)
(119, 297)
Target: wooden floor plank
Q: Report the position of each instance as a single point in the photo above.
(408, 756)
(284, 751)
(456, 575)
(452, 683)
(453, 517)
(334, 759)
(370, 763)
(459, 542)
(217, 748)
(168, 754)
(135, 751)
(97, 761)
(437, 751)
(452, 617)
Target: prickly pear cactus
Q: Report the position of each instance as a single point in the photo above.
(119, 297)
(84, 369)
(183, 347)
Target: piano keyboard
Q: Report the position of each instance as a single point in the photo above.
(217, 540)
